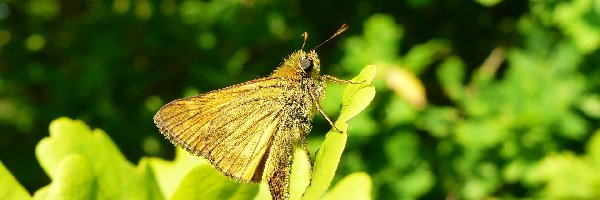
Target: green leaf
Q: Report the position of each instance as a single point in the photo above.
(11, 189)
(422, 55)
(593, 149)
(566, 175)
(451, 75)
(356, 98)
(578, 20)
(170, 173)
(116, 178)
(489, 3)
(74, 179)
(263, 192)
(300, 177)
(204, 182)
(354, 186)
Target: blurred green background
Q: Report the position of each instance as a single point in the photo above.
(475, 99)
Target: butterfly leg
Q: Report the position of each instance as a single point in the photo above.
(334, 79)
(303, 140)
(323, 112)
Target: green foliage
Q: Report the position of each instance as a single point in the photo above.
(405, 171)
(495, 130)
(549, 174)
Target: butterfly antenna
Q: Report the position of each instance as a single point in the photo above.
(339, 31)
(305, 35)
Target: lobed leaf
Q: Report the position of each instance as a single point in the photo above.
(74, 179)
(115, 177)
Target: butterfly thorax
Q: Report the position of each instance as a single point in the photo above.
(303, 69)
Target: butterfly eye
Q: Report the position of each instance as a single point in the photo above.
(306, 64)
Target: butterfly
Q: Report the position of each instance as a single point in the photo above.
(248, 131)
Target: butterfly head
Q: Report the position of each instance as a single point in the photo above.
(310, 63)
(300, 64)
(304, 64)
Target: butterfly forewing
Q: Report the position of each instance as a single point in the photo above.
(232, 127)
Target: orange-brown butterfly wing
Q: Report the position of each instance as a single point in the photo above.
(232, 127)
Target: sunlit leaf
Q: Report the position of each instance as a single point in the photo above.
(356, 97)
(11, 189)
(204, 182)
(354, 186)
(115, 176)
